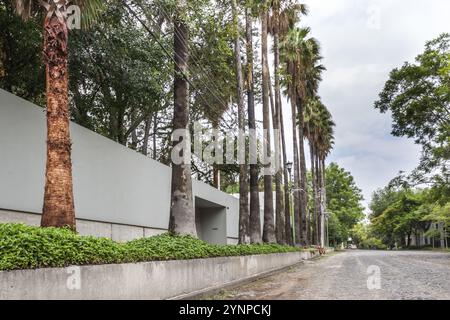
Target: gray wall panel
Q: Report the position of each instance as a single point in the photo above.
(111, 182)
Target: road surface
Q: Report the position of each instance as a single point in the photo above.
(360, 275)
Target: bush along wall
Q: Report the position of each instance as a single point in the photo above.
(27, 247)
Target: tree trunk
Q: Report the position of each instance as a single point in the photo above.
(280, 229)
(145, 141)
(182, 214)
(297, 190)
(58, 209)
(243, 172)
(318, 196)
(314, 186)
(155, 132)
(303, 184)
(287, 198)
(269, 228)
(320, 215)
(255, 220)
(279, 203)
(324, 204)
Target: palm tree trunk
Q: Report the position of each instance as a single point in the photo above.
(268, 229)
(243, 172)
(314, 186)
(255, 220)
(287, 197)
(317, 199)
(303, 184)
(58, 209)
(182, 215)
(324, 203)
(297, 191)
(280, 202)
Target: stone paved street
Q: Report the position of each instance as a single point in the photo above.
(349, 274)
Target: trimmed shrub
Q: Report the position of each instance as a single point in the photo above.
(26, 247)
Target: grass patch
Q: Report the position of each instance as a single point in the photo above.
(26, 247)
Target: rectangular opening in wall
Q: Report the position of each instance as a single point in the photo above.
(211, 221)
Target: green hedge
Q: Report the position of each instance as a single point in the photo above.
(26, 247)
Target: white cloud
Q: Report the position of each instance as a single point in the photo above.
(359, 56)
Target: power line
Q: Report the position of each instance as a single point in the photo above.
(171, 57)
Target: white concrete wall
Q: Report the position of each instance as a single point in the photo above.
(112, 183)
(149, 280)
(116, 232)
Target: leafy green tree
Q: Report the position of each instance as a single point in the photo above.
(398, 215)
(119, 78)
(418, 97)
(21, 54)
(343, 201)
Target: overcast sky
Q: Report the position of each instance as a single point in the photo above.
(362, 41)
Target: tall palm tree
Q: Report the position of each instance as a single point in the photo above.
(319, 131)
(243, 172)
(324, 146)
(254, 220)
(284, 15)
(268, 227)
(304, 54)
(58, 209)
(182, 214)
(288, 54)
(299, 50)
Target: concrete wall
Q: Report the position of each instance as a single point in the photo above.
(114, 231)
(112, 184)
(150, 280)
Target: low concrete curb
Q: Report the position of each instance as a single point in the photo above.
(148, 280)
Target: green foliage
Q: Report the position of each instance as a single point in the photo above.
(26, 247)
(399, 214)
(343, 201)
(418, 96)
(372, 244)
(21, 67)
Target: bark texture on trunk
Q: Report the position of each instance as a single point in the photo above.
(58, 209)
(182, 214)
(275, 103)
(317, 199)
(287, 197)
(314, 189)
(324, 203)
(255, 220)
(296, 187)
(303, 182)
(269, 228)
(243, 172)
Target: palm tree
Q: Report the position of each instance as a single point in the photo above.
(284, 15)
(319, 131)
(254, 220)
(268, 227)
(324, 146)
(58, 209)
(288, 55)
(302, 53)
(243, 172)
(182, 214)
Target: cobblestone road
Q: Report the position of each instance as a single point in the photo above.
(356, 275)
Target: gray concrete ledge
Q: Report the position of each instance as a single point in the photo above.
(149, 280)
